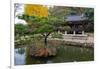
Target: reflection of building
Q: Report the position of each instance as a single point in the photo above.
(77, 23)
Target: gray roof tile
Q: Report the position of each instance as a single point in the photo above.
(75, 18)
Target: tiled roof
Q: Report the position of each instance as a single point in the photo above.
(75, 18)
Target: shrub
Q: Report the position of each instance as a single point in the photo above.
(57, 35)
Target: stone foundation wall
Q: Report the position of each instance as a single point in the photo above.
(71, 43)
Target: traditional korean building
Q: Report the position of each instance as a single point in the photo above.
(77, 23)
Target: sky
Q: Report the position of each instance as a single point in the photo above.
(19, 10)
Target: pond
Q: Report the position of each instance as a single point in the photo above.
(64, 54)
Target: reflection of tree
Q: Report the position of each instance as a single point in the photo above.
(21, 50)
(32, 60)
(35, 60)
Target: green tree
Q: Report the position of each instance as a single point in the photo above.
(42, 25)
(89, 13)
(21, 29)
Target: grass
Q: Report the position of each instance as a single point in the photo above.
(56, 35)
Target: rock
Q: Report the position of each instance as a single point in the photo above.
(43, 52)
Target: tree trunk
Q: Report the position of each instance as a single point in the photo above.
(45, 41)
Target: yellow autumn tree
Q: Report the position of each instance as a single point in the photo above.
(36, 10)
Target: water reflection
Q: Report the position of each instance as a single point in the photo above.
(64, 54)
(20, 56)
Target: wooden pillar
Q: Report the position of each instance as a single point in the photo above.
(58, 32)
(82, 32)
(74, 32)
(65, 32)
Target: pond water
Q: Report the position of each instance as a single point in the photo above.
(64, 54)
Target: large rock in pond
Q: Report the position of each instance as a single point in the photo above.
(43, 52)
